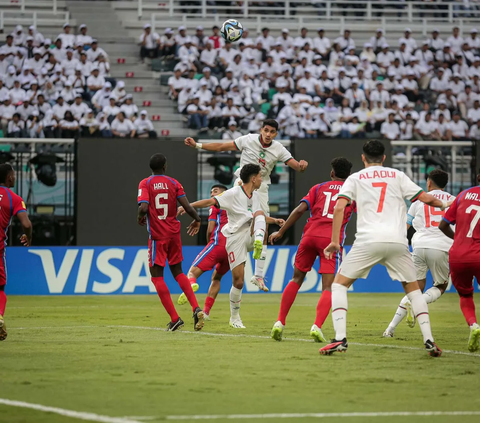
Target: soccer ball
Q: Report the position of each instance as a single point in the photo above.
(232, 30)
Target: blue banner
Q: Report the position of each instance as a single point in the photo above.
(124, 270)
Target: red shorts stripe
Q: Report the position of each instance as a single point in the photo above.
(312, 247)
(213, 256)
(167, 249)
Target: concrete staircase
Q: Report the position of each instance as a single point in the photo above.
(104, 24)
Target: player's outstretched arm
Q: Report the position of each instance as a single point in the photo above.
(338, 214)
(446, 229)
(273, 221)
(294, 216)
(300, 166)
(434, 202)
(26, 238)
(194, 227)
(211, 146)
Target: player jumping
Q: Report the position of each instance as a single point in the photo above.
(380, 194)
(259, 149)
(430, 249)
(212, 256)
(157, 200)
(10, 205)
(317, 234)
(244, 231)
(465, 254)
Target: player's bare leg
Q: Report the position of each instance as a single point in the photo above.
(193, 274)
(420, 308)
(213, 291)
(182, 280)
(3, 303)
(323, 307)
(236, 296)
(339, 315)
(162, 290)
(259, 232)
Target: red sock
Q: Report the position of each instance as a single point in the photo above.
(164, 294)
(468, 309)
(208, 304)
(3, 302)
(288, 297)
(192, 280)
(187, 290)
(323, 307)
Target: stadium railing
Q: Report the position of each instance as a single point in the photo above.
(35, 18)
(27, 5)
(417, 158)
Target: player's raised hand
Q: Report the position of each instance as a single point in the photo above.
(190, 142)
(193, 228)
(276, 236)
(303, 165)
(332, 247)
(180, 211)
(25, 241)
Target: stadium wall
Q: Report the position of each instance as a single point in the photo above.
(124, 270)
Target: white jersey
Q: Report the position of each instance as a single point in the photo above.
(255, 152)
(380, 193)
(240, 209)
(425, 219)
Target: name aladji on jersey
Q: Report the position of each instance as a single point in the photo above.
(376, 174)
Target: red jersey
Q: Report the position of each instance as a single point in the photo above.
(220, 218)
(10, 205)
(321, 200)
(161, 193)
(464, 213)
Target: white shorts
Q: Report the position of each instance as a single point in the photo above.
(262, 195)
(436, 261)
(238, 246)
(395, 257)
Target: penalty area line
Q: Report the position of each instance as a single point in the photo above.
(92, 417)
(324, 415)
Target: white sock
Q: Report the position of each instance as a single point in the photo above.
(260, 263)
(475, 326)
(399, 315)
(259, 228)
(420, 308)
(235, 300)
(431, 295)
(339, 310)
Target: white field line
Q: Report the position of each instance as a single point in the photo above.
(92, 417)
(324, 415)
(240, 335)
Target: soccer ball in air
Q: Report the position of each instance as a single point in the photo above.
(232, 30)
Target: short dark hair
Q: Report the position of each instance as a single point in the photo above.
(248, 171)
(373, 151)
(158, 162)
(341, 167)
(220, 186)
(5, 170)
(270, 122)
(439, 178)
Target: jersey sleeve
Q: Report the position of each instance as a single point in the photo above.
(213, 213)
(410, 190)
(224, 201)
(240, 142)
(18, 205)
(309, 199)
(143, 196)
(285, 155)
(348, 190)
(180, 190)
(451, 214)
(411, 213)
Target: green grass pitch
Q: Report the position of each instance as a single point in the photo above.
(103, 355)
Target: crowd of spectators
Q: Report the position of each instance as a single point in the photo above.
(61, 89)
(424, 89)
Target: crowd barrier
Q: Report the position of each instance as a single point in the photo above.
(124, 270)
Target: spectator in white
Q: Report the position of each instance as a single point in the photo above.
(331, 111)
(458, 128)
(182, 36)
(42, 105)
(199, 40)
(300, 68)
(435, 43)
(19, 37)
(261, 86)
(455, 40)
(17, 93)
(15, 127)
(189, 53)
(111, 110)
(212, 81)
(59, 109)
(309, 83)
(363, 112)
(467, 53)
(351, 56)
(345, 113)
(256, 124)
(9, 48)
(237, 66)
(68, 40)
(20, 58)
(215, 118)
(280, 98)
(439, 83)
(192, 82)
(400, 97)
(95, 51)
(49, 125)
(285, 40)
(266, 39)
(119, 91)
(442, 110)
(385, 58)
(397, 69)
(25, 109)
(322, 44)
(276, 52)
(355, 95)
(59, 52)
(197, 115)
(473, 40)
(368, 53)
(36, 62)
(446, 55)
(247, 112)
(176, 84)
(475, 84)
(204, 93)
(226, 55)
(403, 54)
(443, 128)
(32, 126)
(410, 86)
(466, 102)
(285, 78)
(102, 97)
(149, 43)
(475, 68)
(304, 100)
(208, 57)
(38, 38)
(456, 85)
(83, 38)
(3, 90)
(32, 93)
(411, 44)
(144, 127)
(340, 85)
(69, 126)
(4, 64)
(184, 99)
(85, 65)
(26, 77)
(78, 108)
(407, 127)
(423, 55)
(95, 81)
(69, 64)
(230, 112)
(303, 39)
(228, 80)
(167, 43)
(308, 127)
(129, 109)
(317, 67)
(231, 133)
(78, 80)
(104, 127)
(378, 40)
(426, 129)
(68, 93)
(89, 125)
(103, 66)
(123, 127)
(390, 129)
(246, 39)
(246, 87)
(355, 128)
(345, 40)
(7, 110)
(474, 133)
(461, 67)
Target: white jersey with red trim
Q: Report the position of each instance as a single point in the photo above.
(426, 219)
(380, 193)
(255, 152)
(240, 209)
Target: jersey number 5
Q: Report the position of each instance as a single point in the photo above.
(383, 186)
(162, 207)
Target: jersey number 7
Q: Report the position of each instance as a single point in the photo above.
(383, 186)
